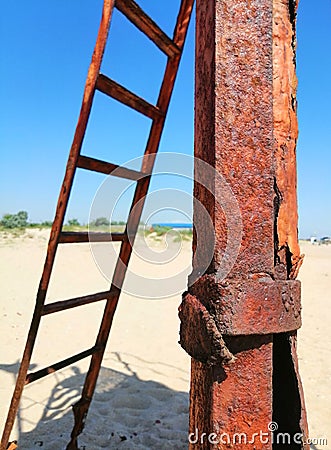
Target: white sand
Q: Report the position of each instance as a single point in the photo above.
(141, 400)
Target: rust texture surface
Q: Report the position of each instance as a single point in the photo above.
(250, 307)
(288, 258)
(240, 329)
(222, 393)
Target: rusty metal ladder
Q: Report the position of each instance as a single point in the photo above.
(97, 81)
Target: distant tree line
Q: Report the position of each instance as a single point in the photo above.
(103, 221)
(20, 220)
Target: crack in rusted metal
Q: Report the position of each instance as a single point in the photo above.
(277, 202)
(292, 8)
(283, 257)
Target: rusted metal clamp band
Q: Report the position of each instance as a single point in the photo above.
(257, 306)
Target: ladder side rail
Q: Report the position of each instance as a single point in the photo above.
(88, 96)
(153, 141)
(80, 409)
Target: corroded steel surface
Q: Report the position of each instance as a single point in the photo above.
(200, 335)
(233, 130)
(288, 258)
(250, 307)
(229, 407)
(240, 330)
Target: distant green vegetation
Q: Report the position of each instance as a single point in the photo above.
(118, 223)
(73, 223)
(46, 224)
(17, 223)
(103, 224)
(185, 235)
(159, 230)
(178, 235)
(19, 220)
(100, 222)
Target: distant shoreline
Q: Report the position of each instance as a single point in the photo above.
(188, 226)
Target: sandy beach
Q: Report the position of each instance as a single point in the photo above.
(141, 400)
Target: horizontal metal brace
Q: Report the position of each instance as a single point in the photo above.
(34, 376)
(128, 98)
(77, 237)
(77, 301)
(145, 24)
(96, 165)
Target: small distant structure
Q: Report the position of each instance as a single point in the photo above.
(322, 241)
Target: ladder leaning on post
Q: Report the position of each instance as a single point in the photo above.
(96, 81)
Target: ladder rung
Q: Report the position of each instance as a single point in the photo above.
(76, 237)
(123, 95)
(34, 376)
(145, 24)
(78, 301)
(84, 162)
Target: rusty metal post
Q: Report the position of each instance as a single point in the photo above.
(241, 330)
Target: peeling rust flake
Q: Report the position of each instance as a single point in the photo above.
(287, 251)
(199, 335)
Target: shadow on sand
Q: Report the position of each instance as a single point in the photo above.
(126, 413)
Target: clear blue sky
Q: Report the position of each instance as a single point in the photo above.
(45, 52)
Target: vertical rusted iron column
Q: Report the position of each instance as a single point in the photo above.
(241, 330)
